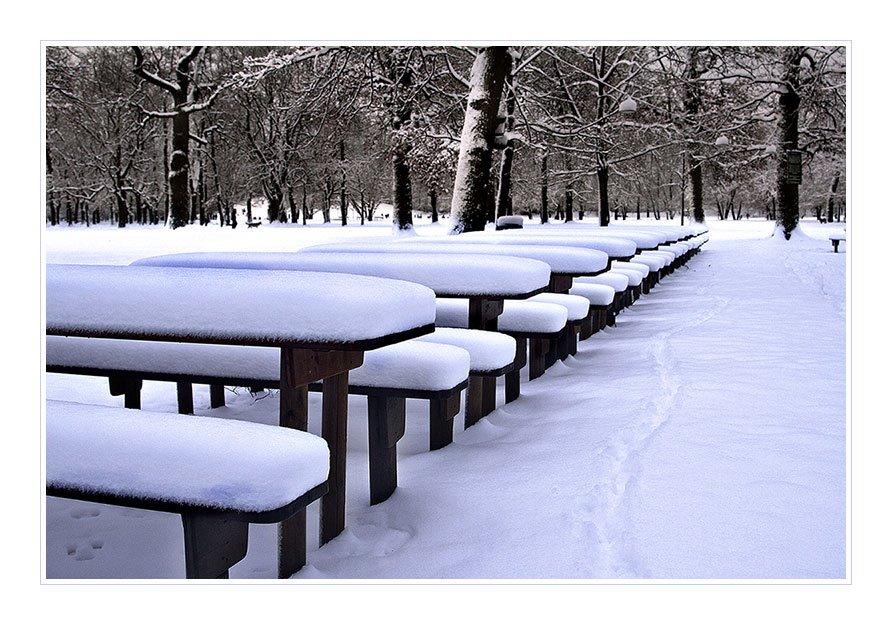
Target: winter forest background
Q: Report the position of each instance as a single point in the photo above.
(181, 135)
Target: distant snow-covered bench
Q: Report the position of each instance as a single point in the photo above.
(218, 475)
(835, 239)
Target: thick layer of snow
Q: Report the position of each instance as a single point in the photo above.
(577, 307)
(411, 365)
(641, 268)
(561, 259)
(613, 247)
(635, 277)
(404, 365)
(446, 274)
(596, 294)
(614, 279)
(488, 351)
(190, 460)
(527, 316)
(182, 303)
(517, 316)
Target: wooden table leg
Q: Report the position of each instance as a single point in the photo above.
(334, 431)
(292, 539)
(300, 367)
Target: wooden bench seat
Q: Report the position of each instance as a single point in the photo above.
(619, 283)
(218, 475)
(388, 376)
(600, 298)
(538, 323)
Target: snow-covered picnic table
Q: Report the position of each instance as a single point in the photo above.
(485, 280)
(324, 324)
(565, 262)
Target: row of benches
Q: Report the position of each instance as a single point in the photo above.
(477, 339)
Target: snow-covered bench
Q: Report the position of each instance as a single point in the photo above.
(835, 239)
(619, 282)
(540, 323)
(600, 298)
(324, 323)
(387, 377)
(509, 222)
(218, 475)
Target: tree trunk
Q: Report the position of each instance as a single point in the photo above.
(469, 199)
(402, 191)
(343, 194)
(505, 205)
(435, 214)
(180, 206)
(568, 203)
(603, 204)
(833, 188)
(543, 210)
(695, 173)
(692, 98)
(788, 127)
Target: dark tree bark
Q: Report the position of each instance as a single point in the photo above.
(435, 215)
(505, 204)
(692, 103)
(543, 184)
(830, 200)
(178, 175)
(343, 192)
(473, 188)
(788, 131)
(603, 203)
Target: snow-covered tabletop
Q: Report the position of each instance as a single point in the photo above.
(562, 260)
(614, 247)
(447, 275)
(310, 310)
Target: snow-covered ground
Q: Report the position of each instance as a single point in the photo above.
(702, 438)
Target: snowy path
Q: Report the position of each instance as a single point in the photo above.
(703, 437)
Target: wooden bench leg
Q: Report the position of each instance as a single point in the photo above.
(572, 343)
(184, 398)
(218, 396)
(474, 400)
(334, 431)
(588, 324)
(489, 395)
(512, 378)
(213, 544)
(292, 539)
(387, 424)
(129, 387)
(442, 415)
(538, 350)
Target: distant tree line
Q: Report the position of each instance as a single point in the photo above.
(180, 135)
